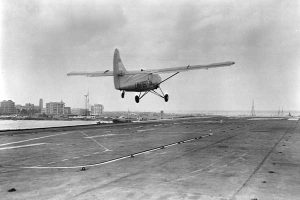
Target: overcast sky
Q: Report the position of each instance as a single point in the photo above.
(43, 40)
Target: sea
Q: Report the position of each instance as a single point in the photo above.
(25, 124)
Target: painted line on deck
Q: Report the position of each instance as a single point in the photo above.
(35, 138)
(106, 135)
(22, 146)
(106, 149)
(143, 130)
(120, 158)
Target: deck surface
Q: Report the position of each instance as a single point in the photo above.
(242, 159)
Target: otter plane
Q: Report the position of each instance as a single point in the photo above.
(142, 81)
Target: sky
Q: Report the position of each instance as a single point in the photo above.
(42, 40)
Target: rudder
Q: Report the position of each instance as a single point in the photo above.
(119, 68)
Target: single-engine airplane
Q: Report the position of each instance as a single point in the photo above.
(142, 81)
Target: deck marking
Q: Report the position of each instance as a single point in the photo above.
(106, 149)
(150, 129)
(22, 146)
(116, 159)
(35, 138)
(106, 135)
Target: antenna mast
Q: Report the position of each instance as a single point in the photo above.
(252, 109)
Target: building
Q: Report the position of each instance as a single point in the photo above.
(41, 105)
(55, 108)
(97, 109)
(7, 107)
(29, 107)
(67, 110)
(78, 111)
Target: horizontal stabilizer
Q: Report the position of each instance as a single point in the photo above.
(92, 74)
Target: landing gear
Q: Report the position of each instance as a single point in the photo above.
(166, 97)
(123, 94)
(157, 93)
(137, 99)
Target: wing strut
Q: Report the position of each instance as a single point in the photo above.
(168, 77)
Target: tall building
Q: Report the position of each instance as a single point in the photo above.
(41, 105)
(7, 107)
(97, 109)
(55, 108)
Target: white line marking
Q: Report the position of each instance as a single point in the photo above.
(106, 149)
(106, 135)
(35, 138)
(86, 155)
(51, 163)
(65, 159)
(75, 157)
(80, 166)
(28, 145)
(106, 162)
(151, 129)
(96, 153)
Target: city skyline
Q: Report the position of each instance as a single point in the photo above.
(44, 40)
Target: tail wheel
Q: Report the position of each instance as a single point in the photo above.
(137, 99)
(166, 97)
(123, 94)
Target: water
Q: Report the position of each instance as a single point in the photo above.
(24, 124)
(258, 113)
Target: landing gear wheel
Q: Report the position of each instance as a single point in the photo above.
(137, 99)
(123, 94)
(166, 97)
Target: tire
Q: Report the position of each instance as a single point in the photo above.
(166, 97)
(122, 94)
(137, 99)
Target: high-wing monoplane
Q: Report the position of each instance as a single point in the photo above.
(143, 81)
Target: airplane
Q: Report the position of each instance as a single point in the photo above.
(143, 81)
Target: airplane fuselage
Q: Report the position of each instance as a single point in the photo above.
(139, 82)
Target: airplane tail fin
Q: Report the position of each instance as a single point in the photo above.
(119, 68)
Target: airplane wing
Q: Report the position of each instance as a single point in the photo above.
(154, 71)
(182, 69)
(92, 74)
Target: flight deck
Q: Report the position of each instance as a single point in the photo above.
(195, 158)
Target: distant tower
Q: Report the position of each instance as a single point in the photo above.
(161, 114)
(86, 103)
(41, 105)
(252, 109)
